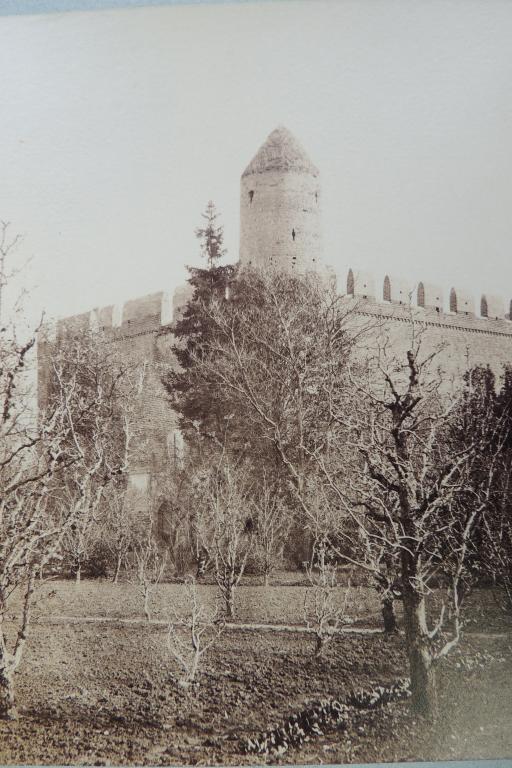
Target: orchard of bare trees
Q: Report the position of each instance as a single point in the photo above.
(314, 446)
(376, 459)
(57, 465)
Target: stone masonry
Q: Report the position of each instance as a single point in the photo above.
(280, 208)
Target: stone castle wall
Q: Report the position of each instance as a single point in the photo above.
(140, 332)
(465, 339)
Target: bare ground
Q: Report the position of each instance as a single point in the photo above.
(100, 693)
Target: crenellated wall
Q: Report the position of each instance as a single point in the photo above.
(467, 339)
(426, 296)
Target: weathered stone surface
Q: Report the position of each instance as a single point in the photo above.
(280, 224)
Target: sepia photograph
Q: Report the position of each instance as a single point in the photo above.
(255, 382)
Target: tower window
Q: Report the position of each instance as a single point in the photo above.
(350, 283)
(293, 234)
(386, 293)
(251, 195)
(316, 197)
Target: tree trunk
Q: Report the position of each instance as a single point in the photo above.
(320, 644)
(201, 565)
(193, 668)
(266, 579)
(422, 672)
(147, 614)
(78, 574)
(118, 569)
(7, 708)
(230, 602)
(388, 615)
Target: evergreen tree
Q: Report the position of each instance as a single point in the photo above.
(194, 332)
(211, 236)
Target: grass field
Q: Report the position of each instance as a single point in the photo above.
(106, 693)
(258, 604)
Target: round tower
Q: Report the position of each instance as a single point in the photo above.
(280, 208)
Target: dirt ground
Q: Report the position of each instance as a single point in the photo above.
(106, 693)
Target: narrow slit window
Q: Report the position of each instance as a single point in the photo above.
(350, 283)
(386, 293)
(293, 235)
(251, 195)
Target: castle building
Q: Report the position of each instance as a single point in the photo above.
(280, 224)
(280, 228)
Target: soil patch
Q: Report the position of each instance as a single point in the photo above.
(98, 693)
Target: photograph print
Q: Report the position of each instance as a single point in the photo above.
(255, 382)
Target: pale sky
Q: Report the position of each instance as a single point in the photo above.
(117, 127)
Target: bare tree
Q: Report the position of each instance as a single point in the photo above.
(498, 554)
(174, 527)
(275, 362)
(485, 400)
(272, 523)
(147, 566)
(8, 245)
(270, 350)
(224, 526)
(378, 445)
(322, 612)
(71, 443)
(191, 635)
(401, 493)
(119, 526)
(78, 542)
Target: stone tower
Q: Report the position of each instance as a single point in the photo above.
(280, 208)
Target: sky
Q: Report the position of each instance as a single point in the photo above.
(117, 127)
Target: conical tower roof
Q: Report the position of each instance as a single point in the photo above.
(281, 152)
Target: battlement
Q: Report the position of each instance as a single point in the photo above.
(427, 301)
(156, 311)
(146, 314)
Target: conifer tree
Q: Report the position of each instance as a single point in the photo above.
(194, 330)
(211, 236)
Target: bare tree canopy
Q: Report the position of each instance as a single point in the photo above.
(54, 467)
